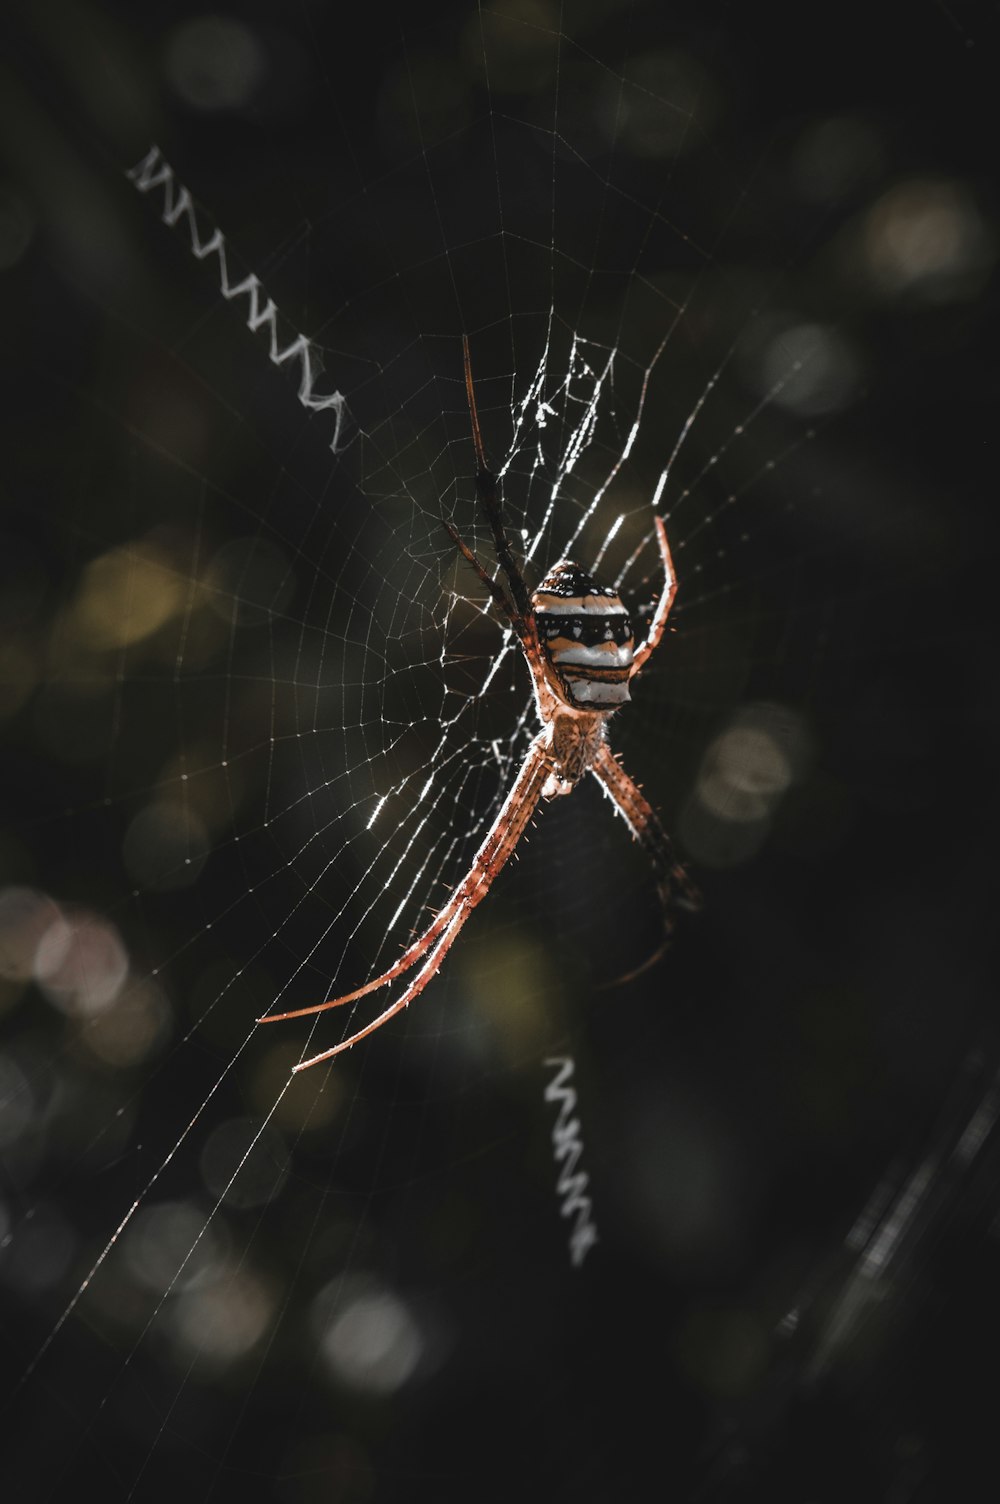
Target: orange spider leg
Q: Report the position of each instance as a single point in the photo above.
(674, 886)
(437, 939)
(664, 604)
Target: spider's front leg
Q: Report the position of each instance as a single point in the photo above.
(488, 492)
(659, 621)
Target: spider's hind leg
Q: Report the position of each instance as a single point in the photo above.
(676, 890)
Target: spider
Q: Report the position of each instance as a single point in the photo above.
(576, 637)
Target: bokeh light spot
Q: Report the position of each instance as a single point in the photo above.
(171, 1246)
(928, 237)
(809, 369)
(124, 596)
(243, 1164)
(81, 963)
(25, 917)
(744, 774)
(222, 1320)
(368, 1336)
(214, 63)
(132, 1028)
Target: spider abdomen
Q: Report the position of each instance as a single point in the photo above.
(585, 633)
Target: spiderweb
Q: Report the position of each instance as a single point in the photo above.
(261, 717)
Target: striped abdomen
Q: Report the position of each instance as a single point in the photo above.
(586, 634)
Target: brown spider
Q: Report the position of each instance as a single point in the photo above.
(577, 639)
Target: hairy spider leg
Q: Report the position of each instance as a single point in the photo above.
(664, 604)
(524, 628)
(440, 934)
(516, 605)
(673, 885)
(496, 591)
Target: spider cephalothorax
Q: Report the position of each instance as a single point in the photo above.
(577, 640)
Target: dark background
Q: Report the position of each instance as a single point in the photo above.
(789, 1124)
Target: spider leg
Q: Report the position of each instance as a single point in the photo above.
(676, 890)
(424, 975)
(495, 590)
(438, 937)
(523, 626)
(515, 602)
(488, 491)
(664, 604)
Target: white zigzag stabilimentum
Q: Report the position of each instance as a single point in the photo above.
(154, 172)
